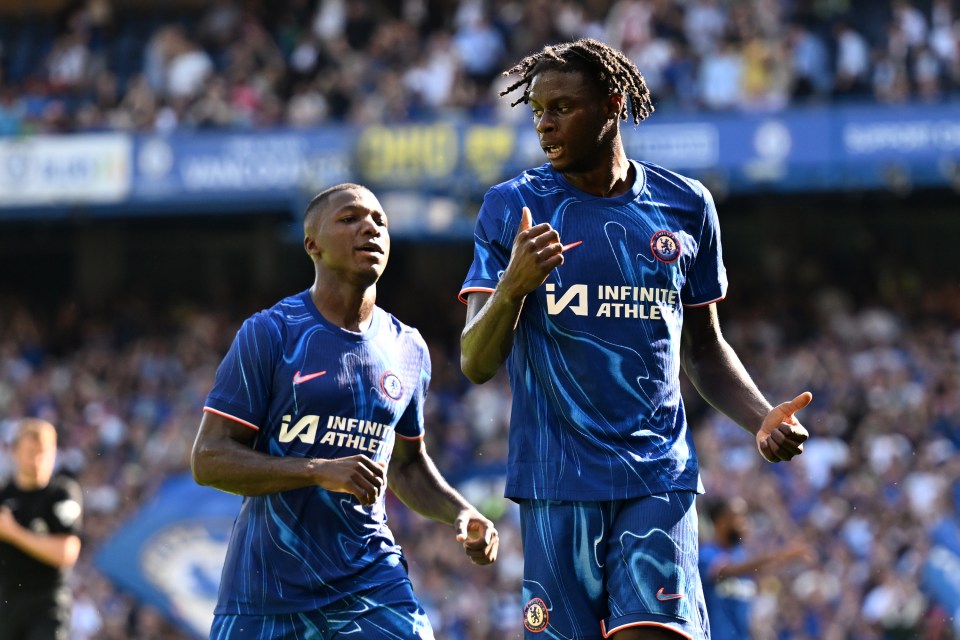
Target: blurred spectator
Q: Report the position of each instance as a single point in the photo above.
(433, 77)
(721, 77)
(480, 48)
(68, 62)
(13, 112)
(910, 21)
(852, 70)
(730, 564)
(704, 25)
(889, 79)
(812, 77)
(765, 80)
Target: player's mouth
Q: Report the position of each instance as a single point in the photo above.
(552, 151)
(371, 247)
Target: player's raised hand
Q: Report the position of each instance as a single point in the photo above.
(781, 435)
(357, 475)
(478, 535)
(536, 252)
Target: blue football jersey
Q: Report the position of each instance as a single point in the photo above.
(314, 390)
(728, 600)
(597, 412)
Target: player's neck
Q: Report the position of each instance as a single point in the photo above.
(608, 180)
(347, 307)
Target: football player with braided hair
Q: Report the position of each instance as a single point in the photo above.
(595, 279)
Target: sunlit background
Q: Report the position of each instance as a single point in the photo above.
(155, 159)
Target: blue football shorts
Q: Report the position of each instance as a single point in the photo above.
(594, 568)
(388, 612)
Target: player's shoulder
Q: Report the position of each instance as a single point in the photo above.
(537, 180)
(659, 179)
(396, 329)
(291, 309)
(399, 329)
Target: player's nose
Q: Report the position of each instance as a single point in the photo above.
(369, 226)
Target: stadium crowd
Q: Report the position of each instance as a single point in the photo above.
(161, 67)
(126, 388)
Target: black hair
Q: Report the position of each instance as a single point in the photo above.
(321, 198)
(718, 507)
(611, 69)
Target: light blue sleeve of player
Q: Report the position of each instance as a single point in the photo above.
(492, 242)
(707, 278)
(410, 425)
(244, 378)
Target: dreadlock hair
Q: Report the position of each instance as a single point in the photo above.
(609, 68)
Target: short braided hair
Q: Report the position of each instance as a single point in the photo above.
(611, 69)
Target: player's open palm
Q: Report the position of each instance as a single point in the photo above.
(536, 252)
(781, 435)
(478, 535)
(357, 475)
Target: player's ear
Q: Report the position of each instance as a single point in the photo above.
(615, 105)
(310, 245)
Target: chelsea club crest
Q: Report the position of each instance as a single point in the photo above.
(391, 385)
(535, 615)
(665, 246)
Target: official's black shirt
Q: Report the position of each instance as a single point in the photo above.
(55, 509)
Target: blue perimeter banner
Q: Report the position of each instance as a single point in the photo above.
(812, 149)
(437, 171)
(170, 554)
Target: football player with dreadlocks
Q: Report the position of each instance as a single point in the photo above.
(601, 456)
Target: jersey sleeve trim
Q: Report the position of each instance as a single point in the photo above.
(230, 417)
(410, 438)
(462, 295)
(694, 305)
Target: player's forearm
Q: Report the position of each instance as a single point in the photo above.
(420, 486)
(488, 336)
(721, 379)
(237, 469)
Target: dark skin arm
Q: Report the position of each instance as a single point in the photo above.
(798, 550)
(718, 375)
(492, 318)
(415, 480)
(222, 457)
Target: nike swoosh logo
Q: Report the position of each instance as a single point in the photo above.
(663, 597)
(297, 378)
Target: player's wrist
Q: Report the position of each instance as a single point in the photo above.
(510, 294)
